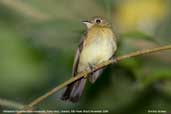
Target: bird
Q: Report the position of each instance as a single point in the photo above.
(96, 46)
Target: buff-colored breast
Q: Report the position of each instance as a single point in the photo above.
(99, 46)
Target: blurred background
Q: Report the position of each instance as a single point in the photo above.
(38, 39)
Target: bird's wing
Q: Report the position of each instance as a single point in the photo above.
(74, 90)
(77, 56)
(114, 43)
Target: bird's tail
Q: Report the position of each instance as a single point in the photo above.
(94, 76)
(74, 91)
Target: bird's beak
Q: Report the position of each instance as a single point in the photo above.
(87, 23)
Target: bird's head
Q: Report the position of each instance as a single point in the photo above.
(96, 21)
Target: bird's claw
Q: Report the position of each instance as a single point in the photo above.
(113, 58)
(91, 67)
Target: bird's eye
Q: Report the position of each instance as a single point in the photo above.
(98, 21)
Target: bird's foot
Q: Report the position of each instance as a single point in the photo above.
(113, 58)
(91, 67)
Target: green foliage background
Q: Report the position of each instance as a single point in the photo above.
(38, 39)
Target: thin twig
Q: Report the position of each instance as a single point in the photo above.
(97, 67)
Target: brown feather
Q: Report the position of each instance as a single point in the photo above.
(75, 89)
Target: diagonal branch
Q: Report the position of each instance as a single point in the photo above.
(84, 74)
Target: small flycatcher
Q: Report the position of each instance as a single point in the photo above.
(98, 45)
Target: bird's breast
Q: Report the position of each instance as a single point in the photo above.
(98, 50)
